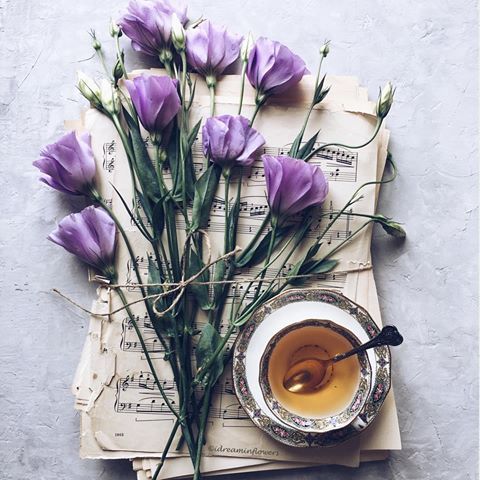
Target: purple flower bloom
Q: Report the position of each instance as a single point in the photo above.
(273, 68)
(90, 235)
(68, 164)
(211, 49)
(148, 24)
(156, 100)
(229, 140)
(293, 185)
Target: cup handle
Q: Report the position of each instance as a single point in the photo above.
(358, 424)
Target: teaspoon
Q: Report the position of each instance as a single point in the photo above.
(307, 375)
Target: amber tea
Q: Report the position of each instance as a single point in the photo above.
(342, 380)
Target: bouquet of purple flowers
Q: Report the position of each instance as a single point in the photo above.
(161, 106)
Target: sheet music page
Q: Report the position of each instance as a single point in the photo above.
(123, 411)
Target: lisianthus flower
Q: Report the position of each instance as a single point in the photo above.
(273, 68)
(90, 235)
(293, 185)
(211, 49)
(156, 100)
(228, 140)
(68, 165)
(148, 24)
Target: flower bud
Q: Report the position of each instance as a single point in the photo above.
(391, 227)
(95, 42)
(115, 30)
(325, 49)
(109, 98)
(178, 34)
(165, 55)
(117, 71)
(385, 100)
(89, 89)
(246, 47)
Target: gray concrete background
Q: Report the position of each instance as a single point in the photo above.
(428, 286)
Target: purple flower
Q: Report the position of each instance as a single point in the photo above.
(273, 68)
(293, 185)
(148, 24)
(229, 140)
(90, 235)
(211, 49)
(156, 101)
(68, 164)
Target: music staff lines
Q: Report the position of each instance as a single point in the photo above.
(140, 395)
(338, 165)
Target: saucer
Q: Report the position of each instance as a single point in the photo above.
(280, 312)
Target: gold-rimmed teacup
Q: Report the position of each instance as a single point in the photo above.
(338, 402)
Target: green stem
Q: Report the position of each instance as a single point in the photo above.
(168, 68)
(211, 89)
(338, 247)
(101, 57)
(242, 86)
(256, 236)
(145, 352)
(119, 56)
(342, 145)
(317, 79)
(201, 433)
(269, 254)
(258, 106)
(226, 175)
(166, 450)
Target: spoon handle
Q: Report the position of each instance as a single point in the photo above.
(389, 335)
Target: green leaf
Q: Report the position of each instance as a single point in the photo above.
(318, 266)
(192, 136)
(153, 277)
(131, 214)
(145, 204)
(143, 165)
(308, 147)
(259, 252)
(311, 267)
(295, 145)
(312, 251)
(232, 223)
(320, 92)
(200, 292)
(205, 189)
(158, 218)
(209, 341)
(173, 156)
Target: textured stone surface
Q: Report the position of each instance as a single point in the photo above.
(427, 285)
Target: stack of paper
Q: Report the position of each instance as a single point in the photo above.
(122, 412)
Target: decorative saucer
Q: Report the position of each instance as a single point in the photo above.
(280, 312)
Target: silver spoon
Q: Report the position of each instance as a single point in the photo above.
(307, 375)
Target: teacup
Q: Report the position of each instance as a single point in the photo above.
(344, 391)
